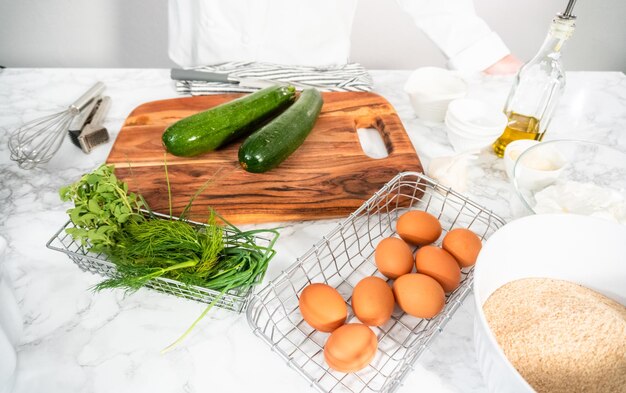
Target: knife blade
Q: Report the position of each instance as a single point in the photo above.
(179, 74)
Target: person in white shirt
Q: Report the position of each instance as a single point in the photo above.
(317, 32)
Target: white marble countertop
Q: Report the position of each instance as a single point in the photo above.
(78, 341)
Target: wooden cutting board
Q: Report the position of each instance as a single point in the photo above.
(328, 176)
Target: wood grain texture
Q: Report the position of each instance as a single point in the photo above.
(328, 176)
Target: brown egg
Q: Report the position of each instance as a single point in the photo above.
(393, 257)
(350, 348)
(323, 307)
(418, 227)
(372, 301)
(440, 265)
(464, 246)
(419, 295)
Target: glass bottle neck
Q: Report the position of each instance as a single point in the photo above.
(560, 31)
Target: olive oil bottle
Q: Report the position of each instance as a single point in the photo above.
(538, 86)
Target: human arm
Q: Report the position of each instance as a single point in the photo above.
(464, 38)
(509, 64)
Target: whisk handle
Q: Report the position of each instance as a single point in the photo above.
(87, 97)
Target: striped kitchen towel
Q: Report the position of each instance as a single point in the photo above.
(347, 77)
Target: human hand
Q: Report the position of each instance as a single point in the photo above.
(509, 64)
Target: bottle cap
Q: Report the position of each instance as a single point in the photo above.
(567, 14)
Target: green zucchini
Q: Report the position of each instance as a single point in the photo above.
(210, 129)
(273, 143)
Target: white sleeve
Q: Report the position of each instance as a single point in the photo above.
(464, 38)
(178, 31)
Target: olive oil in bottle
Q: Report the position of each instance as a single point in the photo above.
(518, 127)
(538, 86)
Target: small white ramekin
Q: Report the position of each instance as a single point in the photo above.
(512, 152)
(521, 160)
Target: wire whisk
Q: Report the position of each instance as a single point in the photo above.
(37, 141)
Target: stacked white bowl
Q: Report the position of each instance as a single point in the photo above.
(431, 89)
(473, 124)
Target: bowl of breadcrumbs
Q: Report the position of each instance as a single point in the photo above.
(550, 296)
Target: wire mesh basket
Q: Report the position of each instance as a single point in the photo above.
(235, 299)
(341, 259)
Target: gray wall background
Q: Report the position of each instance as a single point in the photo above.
(133, 33)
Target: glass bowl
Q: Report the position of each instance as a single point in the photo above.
(572, 176)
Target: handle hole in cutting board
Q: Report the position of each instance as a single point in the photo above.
(372, 143)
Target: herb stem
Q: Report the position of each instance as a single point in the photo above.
(167, 179)
(181, 265)
(124, 198)
(162, 271)
(193, 325)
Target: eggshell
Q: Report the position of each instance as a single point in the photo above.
(418, 227)
(372, 301)
(419, 295)
(463, 245)
(393, 257)
(322, 307)
(440, 265)
(350, 348)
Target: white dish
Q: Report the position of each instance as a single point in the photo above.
(431, 89)
(471, 132)
(508, 256)
(473, 125)
(477, 116)
(464, 142)
(468, 130)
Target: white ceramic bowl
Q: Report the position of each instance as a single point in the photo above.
(473, 125)
(541, 246)
(462, 144)
(476, 116)
(471, 131)
(462, 141)
(431, 89)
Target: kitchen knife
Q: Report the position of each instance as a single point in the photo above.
(207, 76)
(252, 83)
